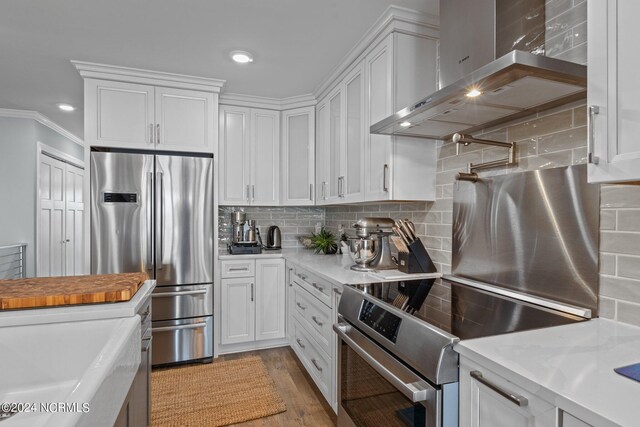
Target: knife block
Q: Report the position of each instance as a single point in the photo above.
(417, 260)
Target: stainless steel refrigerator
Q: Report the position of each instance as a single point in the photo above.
(154, 213)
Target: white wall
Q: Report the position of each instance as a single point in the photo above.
(18, 186)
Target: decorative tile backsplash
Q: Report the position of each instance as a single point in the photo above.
(293, 221)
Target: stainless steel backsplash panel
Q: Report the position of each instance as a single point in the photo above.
(533, 232)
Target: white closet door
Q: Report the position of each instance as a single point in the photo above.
(51, 238)
(74, 221)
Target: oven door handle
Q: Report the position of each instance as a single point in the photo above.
(417, 390)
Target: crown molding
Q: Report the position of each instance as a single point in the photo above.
(394, 19)
(137, 75)
(42, 119)
(279, 104)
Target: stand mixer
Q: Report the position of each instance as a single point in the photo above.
(371, 250)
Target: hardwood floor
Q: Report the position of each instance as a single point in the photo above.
(305, 404)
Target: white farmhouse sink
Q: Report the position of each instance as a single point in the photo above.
(90, 362)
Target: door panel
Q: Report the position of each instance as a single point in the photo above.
(335, 146)
(298, 157)
(270, 299)
(265, 162)
(184, 220)
(51, 239)
(121, 230)
(74, 217)
(354, 137)
(322, 152)
(124, 114)
(238, 310)
(234, 155)
(183, 117)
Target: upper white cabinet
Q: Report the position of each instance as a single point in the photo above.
(398, 71)
(613, 91)
(130, 115)
(298, 155)
(355, 166)
(249, 156)
(341, 129)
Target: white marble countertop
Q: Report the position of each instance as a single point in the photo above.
(570, 366)
(334, 268)
(81, 312)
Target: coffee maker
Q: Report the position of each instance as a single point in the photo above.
(371, 249)
(244, 239)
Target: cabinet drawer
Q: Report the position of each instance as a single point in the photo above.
(239, 268)
(316, 315)
(315, 361)
(317, 287)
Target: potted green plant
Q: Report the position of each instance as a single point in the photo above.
(324, 241)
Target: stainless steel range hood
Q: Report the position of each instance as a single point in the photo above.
(496, 47)
(516, 85)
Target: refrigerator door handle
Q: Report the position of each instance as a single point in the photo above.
(150, 219)
(160, 208)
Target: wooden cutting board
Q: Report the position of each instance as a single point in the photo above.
(69, 290)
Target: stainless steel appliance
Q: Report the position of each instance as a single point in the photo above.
(154, 213)
(274, 238)
(379, 229)
(492, 71)
(524, 257)
(244, 239)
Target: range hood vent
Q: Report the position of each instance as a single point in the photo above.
(515, 85)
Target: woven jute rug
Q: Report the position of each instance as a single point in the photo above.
(215, 394)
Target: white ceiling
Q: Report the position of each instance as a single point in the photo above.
(296, 44)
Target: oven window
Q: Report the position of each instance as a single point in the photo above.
(370, 400)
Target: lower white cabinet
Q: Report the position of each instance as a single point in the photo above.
(490, 400)
(252, 307)
(312, 311)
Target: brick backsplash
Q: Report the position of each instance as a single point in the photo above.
(292, 220)
(566, 30)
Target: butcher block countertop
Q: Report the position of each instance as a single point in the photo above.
(41, 292)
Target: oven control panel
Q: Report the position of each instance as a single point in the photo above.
(380, 320)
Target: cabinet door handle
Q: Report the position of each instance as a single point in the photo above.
(512, 397)
(290, 281)
(315, 363)
(302, 307)
(300, 343)
(324, 191)
(315, 285)
(591, 116)
(158, 133)
(316, 321)
(311, 192)
(252, 292)
(253, 192)
(239, 269)
(151, 133)
(385, 169)
(248, 193)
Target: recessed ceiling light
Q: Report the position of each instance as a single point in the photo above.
(241, 57)
(405, 124)
(66, 107)
(473, 93)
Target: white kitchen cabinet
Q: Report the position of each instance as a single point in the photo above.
(398, 71)
(252, 306)
(270, 299)
(298, 156)
(249, 156)
(139, 116)
(322, 152)
(342, 150)
(613, 91)
(483, 405)
(238, 310)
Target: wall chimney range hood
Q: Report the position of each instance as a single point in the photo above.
(492, 70)
(516, 85)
